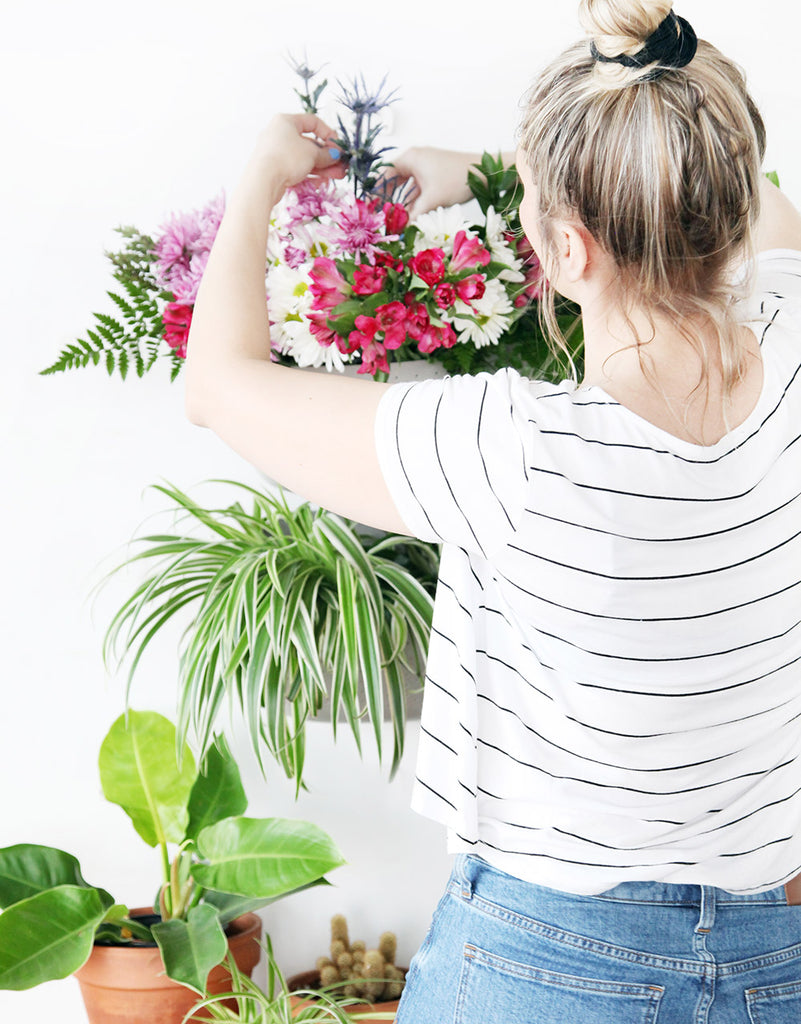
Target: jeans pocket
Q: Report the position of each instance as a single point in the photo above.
(775, 1004)
(493, 988)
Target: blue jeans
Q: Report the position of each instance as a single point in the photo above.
(503, 951)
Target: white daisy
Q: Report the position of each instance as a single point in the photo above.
(489, 316)
(305, 349)
(439, 227)
(500, 249)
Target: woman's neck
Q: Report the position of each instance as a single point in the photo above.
(653, 368)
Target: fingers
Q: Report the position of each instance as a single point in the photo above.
(311, 124)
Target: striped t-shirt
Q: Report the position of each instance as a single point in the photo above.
(613, 689)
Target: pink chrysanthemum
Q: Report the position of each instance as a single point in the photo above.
(312, 201)
(182, 249)
(360, 230)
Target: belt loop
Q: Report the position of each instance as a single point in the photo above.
(463, 871)
(708, 905)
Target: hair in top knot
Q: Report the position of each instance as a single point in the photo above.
(665, 175)
(621, 28)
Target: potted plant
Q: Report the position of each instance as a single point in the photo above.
(224, 866)
(290, 607)
(368, 977)
(246, 1003)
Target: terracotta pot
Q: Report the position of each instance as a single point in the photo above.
(127, 984)
(311, 980)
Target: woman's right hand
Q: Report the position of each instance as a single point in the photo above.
(435, 177)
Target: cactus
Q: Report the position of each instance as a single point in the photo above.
(367, 974)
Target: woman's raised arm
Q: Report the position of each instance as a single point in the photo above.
(779, 221)
(311, 432)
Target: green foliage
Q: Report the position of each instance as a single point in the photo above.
(191, 948)
(288, 607)
(496, 186)
(525, 346)
(773, 177)
(142, 771)
(132, 338)
(48, 936)
(275, 1004)
(52, 916)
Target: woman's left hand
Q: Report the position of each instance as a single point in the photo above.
(294, 146)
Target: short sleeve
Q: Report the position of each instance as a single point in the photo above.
(777, 285)
(454, 453)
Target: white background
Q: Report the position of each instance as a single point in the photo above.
(115, 114)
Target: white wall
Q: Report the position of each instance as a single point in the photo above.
(117, 113)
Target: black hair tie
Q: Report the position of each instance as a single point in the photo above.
(671, 45)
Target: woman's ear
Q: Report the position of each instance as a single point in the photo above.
(574, 251)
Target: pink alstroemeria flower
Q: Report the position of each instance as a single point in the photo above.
(417, 319)
(368, 280)
(444, 295)
(391, 319)
(429, 266)
(433, 338)
(361, 337)
(318, 325)
(468, 252)
(396, 217)
(177, 320)
(472, 287)
(374, 359)
(328, 286)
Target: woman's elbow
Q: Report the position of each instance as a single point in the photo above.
(197, 398)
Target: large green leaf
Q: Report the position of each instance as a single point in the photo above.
(191, 948)
(263, 857)
(48, 936)
(27, 869)
(229, 906)
(218, 792)
(139, 771)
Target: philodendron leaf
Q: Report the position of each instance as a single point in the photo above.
(48, 936)
(263, 857)
(139, 771)
(27, 869)
(218, 792)
(191, 948)
(229, 907)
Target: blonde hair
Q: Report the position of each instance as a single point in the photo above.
(662, 169)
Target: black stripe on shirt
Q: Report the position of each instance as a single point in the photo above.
(448, 483)
(685, 657)
(739, 525)
(604, 764)
(633, 789)
(649, 579)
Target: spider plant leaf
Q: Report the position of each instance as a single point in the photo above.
(415, 596)
(397, 702)
(347, 544)
(370, 665)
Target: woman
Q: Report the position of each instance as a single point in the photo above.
(613, 711)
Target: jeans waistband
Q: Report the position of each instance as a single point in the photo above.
(472, 874)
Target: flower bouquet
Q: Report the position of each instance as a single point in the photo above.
(350, 279)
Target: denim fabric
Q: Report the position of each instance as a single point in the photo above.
(503, 951)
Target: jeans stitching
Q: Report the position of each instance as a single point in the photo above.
(530, 924)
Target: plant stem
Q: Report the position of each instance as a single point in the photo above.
(165, 896)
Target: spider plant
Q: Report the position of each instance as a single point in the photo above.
(246, 1003)
(289, 607)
